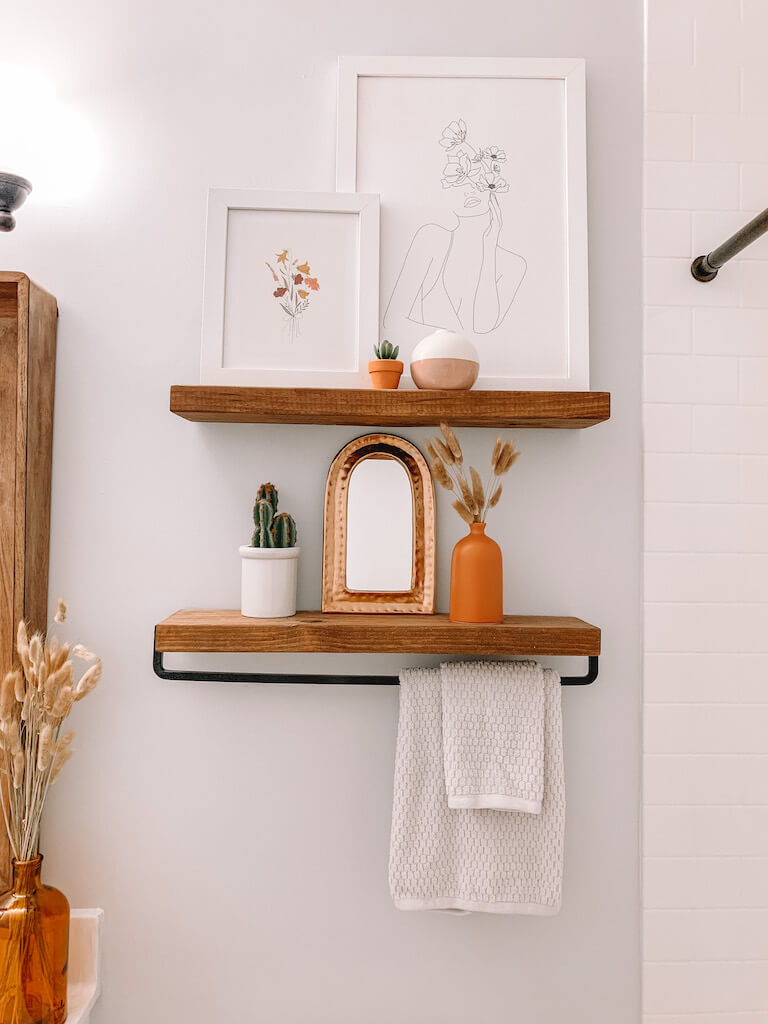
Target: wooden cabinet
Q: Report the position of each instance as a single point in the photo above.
(28, 317)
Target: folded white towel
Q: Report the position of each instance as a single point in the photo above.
(493, 734)
(503, 862)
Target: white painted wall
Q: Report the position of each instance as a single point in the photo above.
(706, 588)
(237, 836)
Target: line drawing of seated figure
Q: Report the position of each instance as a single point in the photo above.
(460, 278)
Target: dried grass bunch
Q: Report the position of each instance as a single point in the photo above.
(473, 497)
(34, 701)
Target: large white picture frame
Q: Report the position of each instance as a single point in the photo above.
(291, 288)
(481, 168)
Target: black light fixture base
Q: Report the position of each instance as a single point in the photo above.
(13, 191)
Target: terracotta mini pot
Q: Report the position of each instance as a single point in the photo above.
(477, 592)
(385, 373)
(444, 361)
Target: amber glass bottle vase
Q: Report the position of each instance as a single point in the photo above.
(34, 946)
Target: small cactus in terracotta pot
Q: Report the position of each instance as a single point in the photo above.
(386, 369)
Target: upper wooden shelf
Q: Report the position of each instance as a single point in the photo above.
(193, 631)
(362, 406)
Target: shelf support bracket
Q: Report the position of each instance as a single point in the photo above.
(190, 675)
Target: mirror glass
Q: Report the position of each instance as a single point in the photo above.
(380, 517)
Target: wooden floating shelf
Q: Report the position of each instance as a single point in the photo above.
(361, 406)
(193, 631)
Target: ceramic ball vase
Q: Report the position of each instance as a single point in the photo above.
(444, 361)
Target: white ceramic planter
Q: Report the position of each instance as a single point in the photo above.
(444, 360)
(269, 577)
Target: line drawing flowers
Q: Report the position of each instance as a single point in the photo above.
(480, 168)
(491, 181)
(454, 134)
(495, 154)
(294, 287)
(460, 278)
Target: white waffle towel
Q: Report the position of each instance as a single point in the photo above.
(496, 861)
(493, 734)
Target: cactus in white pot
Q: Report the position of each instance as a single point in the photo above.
(270, 561)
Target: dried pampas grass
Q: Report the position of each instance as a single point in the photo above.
(440, 473)
(473, 497)
(452, 442)
(35, 699)
(464, 512)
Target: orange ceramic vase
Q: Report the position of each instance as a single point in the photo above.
(34, 946)
(476, 578)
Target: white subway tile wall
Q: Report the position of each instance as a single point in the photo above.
(706, 518)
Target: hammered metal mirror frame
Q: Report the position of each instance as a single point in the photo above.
(420, 599)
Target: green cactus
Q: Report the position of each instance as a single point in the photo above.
(262, 518)
(386, 350)
(268, 492)
(272, 530)
(283, 531)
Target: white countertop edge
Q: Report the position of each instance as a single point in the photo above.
(84, 976)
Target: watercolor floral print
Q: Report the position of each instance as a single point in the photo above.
(461, 278)
(295, 285)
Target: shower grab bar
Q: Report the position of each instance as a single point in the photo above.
(705, 268)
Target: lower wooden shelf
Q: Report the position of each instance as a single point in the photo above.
(198, 631)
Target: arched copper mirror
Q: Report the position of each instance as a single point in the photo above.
(379, 544)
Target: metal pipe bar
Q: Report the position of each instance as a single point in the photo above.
(705, 268)
(286, 677)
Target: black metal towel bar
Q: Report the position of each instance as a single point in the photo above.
(287, 677)
(705, 268)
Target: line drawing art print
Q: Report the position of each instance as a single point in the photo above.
(295, 286)
(463, 277)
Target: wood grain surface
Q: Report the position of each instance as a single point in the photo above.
(361, 406)
(201, 630)
(28, 318)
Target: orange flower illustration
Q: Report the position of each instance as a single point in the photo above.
(288, 273)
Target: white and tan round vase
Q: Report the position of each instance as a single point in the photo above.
(444, 361)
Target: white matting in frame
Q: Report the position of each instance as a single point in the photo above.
(481, 168)
(291, 288)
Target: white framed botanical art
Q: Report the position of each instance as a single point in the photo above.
(291, 288)
(481, 168)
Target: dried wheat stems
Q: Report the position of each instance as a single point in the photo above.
(34, 701)
(473, 498)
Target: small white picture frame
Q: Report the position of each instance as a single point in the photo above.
(492, 147)
(291, 288)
